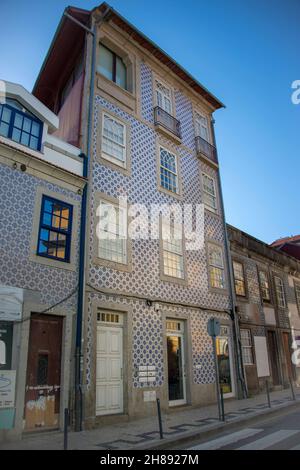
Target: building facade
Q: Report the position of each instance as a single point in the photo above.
(147, 128)
(267, 297)
(41, 185)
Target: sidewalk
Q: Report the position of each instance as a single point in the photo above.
(144, 433)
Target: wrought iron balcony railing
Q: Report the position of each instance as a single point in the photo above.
(166, 120)
(205, 148)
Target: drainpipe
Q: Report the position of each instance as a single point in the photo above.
(85, 197)
(242, 388)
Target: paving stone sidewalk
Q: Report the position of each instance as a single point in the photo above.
(143, 432)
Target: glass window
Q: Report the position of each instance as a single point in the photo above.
(201, 127)
(55, 229)
(264, 286)
(297, 293)
(163, 97)
(239, 279)
(114, 140)
(280, 294)
(168, 171)
(20, 126)
(209, 193)
(216, 266)
(172, 242)
(246, 347)
(112, 66)
(112, 233)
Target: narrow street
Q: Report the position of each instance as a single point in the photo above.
(277, 433)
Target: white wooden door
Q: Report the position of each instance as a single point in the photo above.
(109, 370)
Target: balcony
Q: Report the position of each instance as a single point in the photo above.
(167, 124)
(206, 150)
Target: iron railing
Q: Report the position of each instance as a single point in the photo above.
(205, 148)
(166, 120)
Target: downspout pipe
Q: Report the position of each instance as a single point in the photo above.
(83, 228)
(242, 388)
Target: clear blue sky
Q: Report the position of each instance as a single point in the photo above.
(246, 52)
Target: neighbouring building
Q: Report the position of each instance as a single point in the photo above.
(289, 245)
(41, 184)
(267, 287)
(147, 127)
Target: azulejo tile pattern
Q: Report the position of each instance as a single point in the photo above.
(144, 279)
(17, 202)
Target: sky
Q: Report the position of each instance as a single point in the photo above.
(246, 52)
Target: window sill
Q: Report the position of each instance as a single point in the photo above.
(113, 166)
(53, 263)
(113, 265)
(169, 193)
(173, 280)
(115, 92)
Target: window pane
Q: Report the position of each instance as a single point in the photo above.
(112, 242)
(120, 73)
(25, 139)
(35, 130)
(105, 66)
(16, 135)
(4, 129)
(18, 122)
(6, 114)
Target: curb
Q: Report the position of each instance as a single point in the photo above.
(211, 430)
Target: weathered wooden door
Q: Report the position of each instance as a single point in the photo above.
(43, 372)
(273, 355)
(288, 355)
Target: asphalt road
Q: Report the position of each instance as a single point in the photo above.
(277, 433)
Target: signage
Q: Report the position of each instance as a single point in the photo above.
(11, 303)
(6, 336)
(147, 374)
(213, 327)
(7, 388)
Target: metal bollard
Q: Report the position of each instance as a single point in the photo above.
(66, 424)
(222, 405)
(268, 393)
(292, 389)
(159, 418)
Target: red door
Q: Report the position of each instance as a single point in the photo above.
(43, 372)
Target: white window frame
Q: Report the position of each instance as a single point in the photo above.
(166, 249)
(164, 96)
(262, 288)
(280, 292)
(212, 266)
(205, 192)
(247, 347)
(199, 124)
(243, 280)
(109, 260)
(169, 191)
(108, 156)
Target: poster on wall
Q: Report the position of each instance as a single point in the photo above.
(6, 336)
(261, 353)
(11, 303)
(7, 388)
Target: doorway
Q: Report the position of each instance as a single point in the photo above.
(176, 362)
(109, 370)
(225, 362)
(42, 395)
(288, 355)
(273, 355)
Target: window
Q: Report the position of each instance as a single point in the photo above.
(112, 233)
(112, 67)
(297, 293)
(172, 244)
(168, 170)
(114, 140)
(239, 278)
(246, 347)
(55, 230)
(209, 193)
(280, 295)
(216, 266)
(201, 127)
(264, 286)
(163, 97)
(19, 125)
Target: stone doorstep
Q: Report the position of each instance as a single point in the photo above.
(211, 430)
